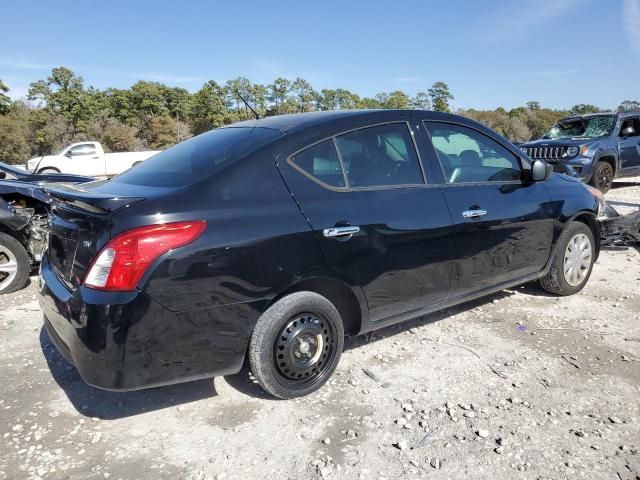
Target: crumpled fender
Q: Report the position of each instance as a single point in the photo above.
(24, 188)
(7, 217)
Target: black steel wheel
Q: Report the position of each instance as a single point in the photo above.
(296, 345)
(603, 177)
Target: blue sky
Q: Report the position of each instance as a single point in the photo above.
(491, 53)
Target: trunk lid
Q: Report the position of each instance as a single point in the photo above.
(80, 225)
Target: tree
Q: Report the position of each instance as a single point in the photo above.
(305, 94)
(398, 100)
(440, 96)
(63, 94)
(629, 106)
(583, 108)
(346, 100)
(14, 147)
(149, 99)
(208, 108)
(533, 105)
(165, 131)
(421, 101)
(277, 93)
(119, 137)
(5, 101)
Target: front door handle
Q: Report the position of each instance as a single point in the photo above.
(474, 213)
(340, 231)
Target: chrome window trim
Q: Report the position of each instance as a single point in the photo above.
(486, 182)
(347, 187)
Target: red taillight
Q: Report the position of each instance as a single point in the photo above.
(122, 262)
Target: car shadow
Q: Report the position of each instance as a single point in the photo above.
(623, 184)
(93, 402)
(531, 288)
(106, 405)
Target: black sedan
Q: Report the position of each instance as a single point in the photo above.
(270, 240)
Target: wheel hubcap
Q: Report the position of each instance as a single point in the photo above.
(577, 259)
(303, 347)
(8, 267)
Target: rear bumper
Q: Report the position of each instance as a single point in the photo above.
(127, 341)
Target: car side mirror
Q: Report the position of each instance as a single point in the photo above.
(627, 132)
(3, 175)
(540, 171)
(68, 154)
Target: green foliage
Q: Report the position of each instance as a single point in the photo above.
(14, 137)
(440, 96)
(154, 115)
(533, 105)
(629, 106)
(583, 108)
(5, 101)
(118, 137)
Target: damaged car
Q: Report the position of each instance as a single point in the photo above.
(24, 208)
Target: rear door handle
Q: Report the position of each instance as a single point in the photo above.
(340, 231)
(474, 213)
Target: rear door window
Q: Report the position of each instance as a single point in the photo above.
(198, 157)
(379, 156)
(466, 155)
(321, 163)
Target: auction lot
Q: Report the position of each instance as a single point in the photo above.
(517, 385)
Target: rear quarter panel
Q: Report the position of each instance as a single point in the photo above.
(256, 244)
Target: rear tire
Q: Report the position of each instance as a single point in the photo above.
(14, 264)
(296, 345)
(573, 261)
(602, 178)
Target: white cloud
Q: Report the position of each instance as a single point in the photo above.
(516, 19)
(23, 64)
(631, 19)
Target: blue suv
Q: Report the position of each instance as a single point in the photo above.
(594, 148)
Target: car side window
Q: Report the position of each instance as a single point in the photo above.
(634, 123)
(467, 155)
(321, 162)
(380, 156)
(85, 149)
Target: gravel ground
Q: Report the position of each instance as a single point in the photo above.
(517, 385)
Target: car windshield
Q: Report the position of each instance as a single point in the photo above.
(198, 157)
(591, 127)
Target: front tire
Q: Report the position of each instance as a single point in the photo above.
(603, 177)
(296, 345)
(573, 261)
(14, 264)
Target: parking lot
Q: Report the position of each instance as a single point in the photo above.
(517, 385)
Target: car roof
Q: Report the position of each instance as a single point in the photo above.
(598, 114)
(300, 121)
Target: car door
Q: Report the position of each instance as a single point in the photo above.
(83, 159)
(376, 220)
(630, 145)
(503, 226)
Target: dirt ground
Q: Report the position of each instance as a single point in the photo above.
(517, 385)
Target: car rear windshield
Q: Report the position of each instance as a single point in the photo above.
(197, 158)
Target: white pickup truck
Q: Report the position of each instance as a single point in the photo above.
(87, 158)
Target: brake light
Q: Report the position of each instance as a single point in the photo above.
(122, 262)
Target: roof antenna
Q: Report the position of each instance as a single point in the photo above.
(255, 114)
